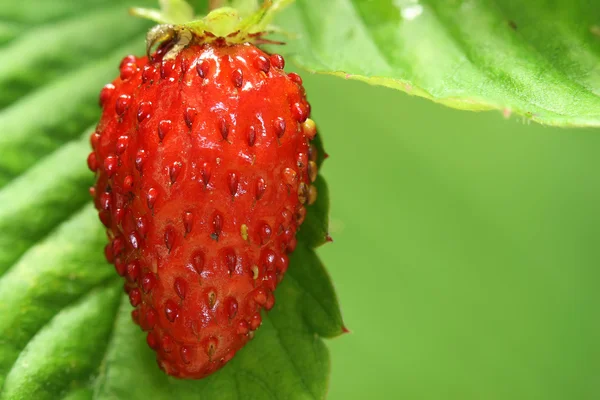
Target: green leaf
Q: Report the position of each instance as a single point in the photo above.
(315, 229)
(538, 58)
(54, 113)
(51, 276)
(65, 325)
(64, 47)
(32, 204)
(53, 362)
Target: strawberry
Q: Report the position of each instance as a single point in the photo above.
(203, 168)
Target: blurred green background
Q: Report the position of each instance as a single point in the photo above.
(465, 250)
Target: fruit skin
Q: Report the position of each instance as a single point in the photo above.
(203, 166)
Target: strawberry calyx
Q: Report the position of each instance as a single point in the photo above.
(179, 27)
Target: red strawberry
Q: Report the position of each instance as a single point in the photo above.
(203, 167)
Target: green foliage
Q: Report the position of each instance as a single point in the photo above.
(65, 326)
(535, 58)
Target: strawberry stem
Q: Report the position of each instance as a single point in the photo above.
(179, 26)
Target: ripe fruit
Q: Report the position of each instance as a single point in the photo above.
(203, 166)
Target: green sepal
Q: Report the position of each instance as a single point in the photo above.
(177, 23)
